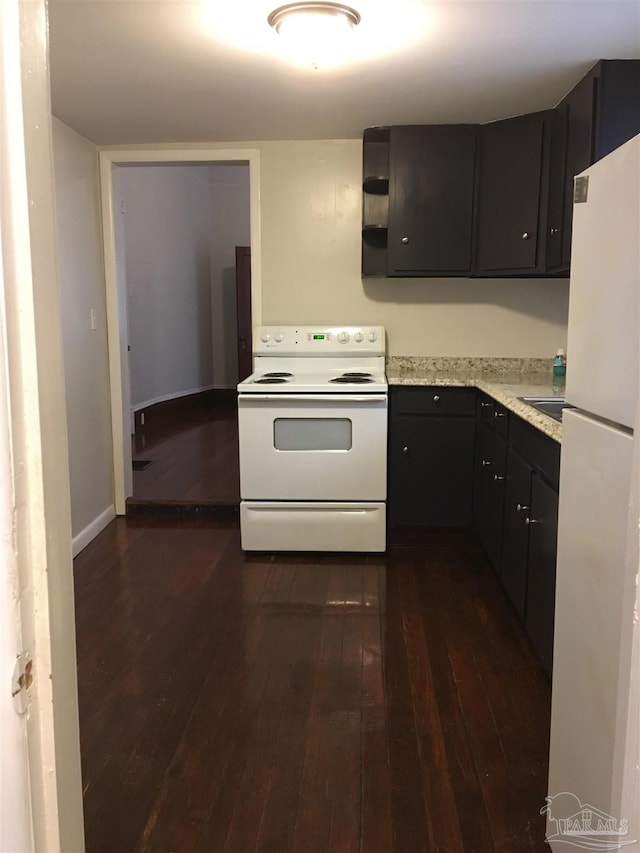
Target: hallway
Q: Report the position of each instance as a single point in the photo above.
(191, 445)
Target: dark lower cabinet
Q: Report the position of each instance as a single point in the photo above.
(516, 531)
(516, 516)
(458, 459)
(541, 576)
(490, 477)
(431, 447)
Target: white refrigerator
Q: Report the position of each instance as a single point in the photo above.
(594, 779)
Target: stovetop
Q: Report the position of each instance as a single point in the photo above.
(313, 377)
(299, 359)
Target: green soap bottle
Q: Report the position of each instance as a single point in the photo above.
(560, 364)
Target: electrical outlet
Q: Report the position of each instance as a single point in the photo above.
(94, 319)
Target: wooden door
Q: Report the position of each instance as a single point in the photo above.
(243, 305)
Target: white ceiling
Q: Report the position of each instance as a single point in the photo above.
(149, 71)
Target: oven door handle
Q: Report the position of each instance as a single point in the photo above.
(316, 398)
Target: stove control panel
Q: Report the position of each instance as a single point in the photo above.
(319, 340)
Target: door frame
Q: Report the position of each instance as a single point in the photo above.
(116, 302)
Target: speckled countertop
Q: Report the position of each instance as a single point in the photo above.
(504, 379)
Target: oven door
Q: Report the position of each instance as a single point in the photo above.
(313, 446)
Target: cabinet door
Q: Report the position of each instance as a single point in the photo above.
(541, 581)
(489, 492)
(430, 471)
(600, 113)
(431, 185)
(513, 179)
(557, 188)
(580, 116)
(516, 531)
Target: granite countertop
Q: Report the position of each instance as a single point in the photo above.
(504, 379)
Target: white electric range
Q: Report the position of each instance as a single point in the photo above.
(312, 422)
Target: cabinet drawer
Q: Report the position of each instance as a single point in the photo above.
(433, 400)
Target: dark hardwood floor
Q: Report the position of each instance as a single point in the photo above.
(245, 702)
(192, 445)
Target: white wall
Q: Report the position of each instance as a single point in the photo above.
(80, 270)
(229, 228)
(167, 222)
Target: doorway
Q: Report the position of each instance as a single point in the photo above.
(112, 163)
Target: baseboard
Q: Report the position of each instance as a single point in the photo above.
(181, 407)
(91, 530)
(166, 397)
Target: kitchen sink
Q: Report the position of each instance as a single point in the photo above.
(552, 406)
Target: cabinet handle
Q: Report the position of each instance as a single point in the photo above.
(436, 398)
(553, 231)
(497, 477)
(486, 405)
(486, 462)
(532, 521)
(499, 414)
(404, 240)
(526, 235)
(405, 450)
(521, 507)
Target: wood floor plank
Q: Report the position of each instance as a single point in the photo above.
(312, 828)
(409, 819)
(444, 832)
(475, 825)
(377, 833)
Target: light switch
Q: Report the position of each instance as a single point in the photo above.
(94, 319)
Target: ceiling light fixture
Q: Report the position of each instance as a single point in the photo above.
(314, 30)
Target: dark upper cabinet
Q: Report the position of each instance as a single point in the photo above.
(557, 190)
(493, 199)
(512, 195)
(431, 196)
(598, 115)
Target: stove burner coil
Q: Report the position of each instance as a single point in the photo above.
(276, 374)
(274, 380)
(351, 380)
(357, 373)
